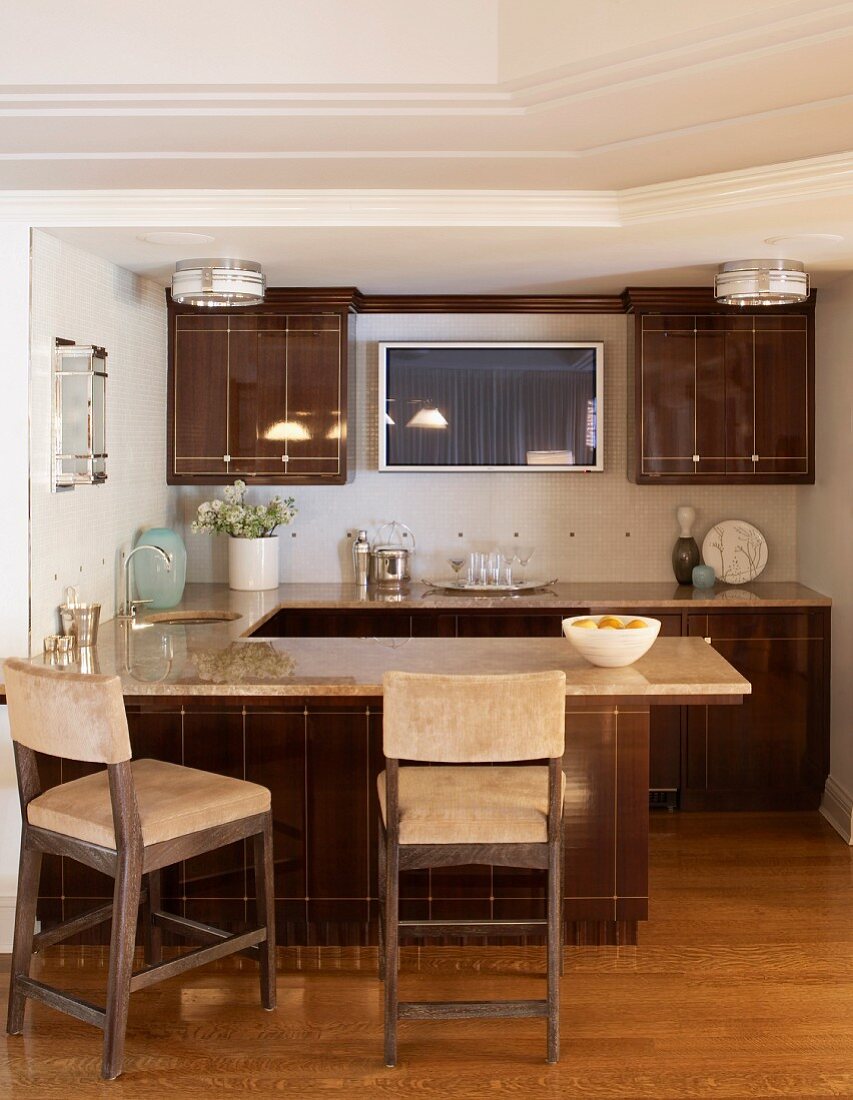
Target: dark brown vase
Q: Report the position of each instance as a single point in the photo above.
(685, 554)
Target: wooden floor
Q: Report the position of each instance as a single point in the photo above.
(742, 986)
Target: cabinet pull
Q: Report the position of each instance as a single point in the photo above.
(285, 458)
(755, 458)
(226, 458)
(708, 640)
(696, 458)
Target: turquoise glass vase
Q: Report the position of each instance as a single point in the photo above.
(153, 582)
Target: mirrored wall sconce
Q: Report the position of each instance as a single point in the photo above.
(79, 415)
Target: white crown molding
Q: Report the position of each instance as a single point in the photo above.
(837, 807)
(794, 181)
(310, 208)
(791, 182)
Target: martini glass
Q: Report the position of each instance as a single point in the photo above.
(456, 565)
(524, 554)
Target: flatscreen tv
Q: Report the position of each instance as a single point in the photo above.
(529, 407)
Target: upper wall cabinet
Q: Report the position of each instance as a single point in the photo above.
(724, 398)
(260, 395)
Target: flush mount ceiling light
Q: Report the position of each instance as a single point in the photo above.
(218, 282)
(761, 283)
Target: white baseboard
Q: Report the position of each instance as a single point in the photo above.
(7, 924)
(837, 807)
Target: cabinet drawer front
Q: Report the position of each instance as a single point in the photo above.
(760, 625)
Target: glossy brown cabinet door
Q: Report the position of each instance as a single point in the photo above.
(198, 393)
(257, 395)
(724, 398)
(770, 752)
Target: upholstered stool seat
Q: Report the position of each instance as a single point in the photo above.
(471, 805)
(173, 801)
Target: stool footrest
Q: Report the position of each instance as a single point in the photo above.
(72, 926)
(193, 929)
(466, 1010)
(65, 1002)
(199, 957)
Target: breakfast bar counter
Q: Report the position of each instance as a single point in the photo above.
(303, 715)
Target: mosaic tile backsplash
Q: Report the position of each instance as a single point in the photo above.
(585, 527)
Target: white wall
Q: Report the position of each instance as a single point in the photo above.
(490, 507)
(76, 534)
(14, 541)
(825, 521)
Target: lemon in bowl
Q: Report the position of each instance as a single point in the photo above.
(611, 641)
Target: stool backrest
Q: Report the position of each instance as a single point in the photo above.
(80, 717)
(474, 719)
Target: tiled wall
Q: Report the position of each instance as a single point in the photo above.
(584, 526)
(76, 535)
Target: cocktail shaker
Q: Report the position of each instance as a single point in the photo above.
(361, 559)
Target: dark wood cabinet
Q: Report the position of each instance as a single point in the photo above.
(772, 752)
(724, 397)
(260, 394)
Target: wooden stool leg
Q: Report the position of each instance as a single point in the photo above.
(555, 952)
(265, 907)
(392, 891)
(380, 863)
(22, 950)
(128, 886)
(153, 933)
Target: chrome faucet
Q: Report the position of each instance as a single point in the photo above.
(127, 611)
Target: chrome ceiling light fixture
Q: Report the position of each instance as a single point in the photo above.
(761, 283)
(218, 283)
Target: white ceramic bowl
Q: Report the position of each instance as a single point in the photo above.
(611, 648)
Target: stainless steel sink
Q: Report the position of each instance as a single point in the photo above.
(191, 618)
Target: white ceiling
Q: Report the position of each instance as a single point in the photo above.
(490, 145)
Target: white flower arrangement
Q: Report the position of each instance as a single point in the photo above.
(240, 520)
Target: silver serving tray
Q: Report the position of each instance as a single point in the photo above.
(488, 589)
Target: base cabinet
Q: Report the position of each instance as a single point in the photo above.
(770, 752)
(320, 758)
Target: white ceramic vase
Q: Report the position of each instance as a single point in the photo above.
(253, 564)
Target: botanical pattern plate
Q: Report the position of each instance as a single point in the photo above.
(736, 550)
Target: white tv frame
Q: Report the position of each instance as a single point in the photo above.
(384, 345)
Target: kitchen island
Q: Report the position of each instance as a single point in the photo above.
(303, 715)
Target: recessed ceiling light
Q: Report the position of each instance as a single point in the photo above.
(805, 238)
(176, 238)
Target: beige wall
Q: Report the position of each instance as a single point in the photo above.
(825, 521)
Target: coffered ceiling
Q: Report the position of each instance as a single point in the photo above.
(511, 114)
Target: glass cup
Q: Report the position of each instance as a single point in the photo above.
(476, 567)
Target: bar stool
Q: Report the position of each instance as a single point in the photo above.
(454, 815)
(130, 820)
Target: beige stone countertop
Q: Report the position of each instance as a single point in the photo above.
(254, 608)
(199, 660)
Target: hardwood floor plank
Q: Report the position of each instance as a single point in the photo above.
(742, 986)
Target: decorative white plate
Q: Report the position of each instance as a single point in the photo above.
(736, 550)
(486, 589)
